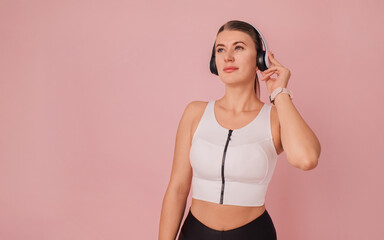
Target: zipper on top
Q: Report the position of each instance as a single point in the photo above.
(222, 166)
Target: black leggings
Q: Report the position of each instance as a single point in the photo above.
(261, 228)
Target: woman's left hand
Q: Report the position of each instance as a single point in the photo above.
(283, 74)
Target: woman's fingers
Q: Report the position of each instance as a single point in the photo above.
(272, 59)
(275, 68)
(266, 75)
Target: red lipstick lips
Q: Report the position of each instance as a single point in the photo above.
(230, 69)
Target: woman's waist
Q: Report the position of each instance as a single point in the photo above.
(222, 216)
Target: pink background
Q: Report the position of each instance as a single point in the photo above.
(91, 93)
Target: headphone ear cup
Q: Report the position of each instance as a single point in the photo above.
(212, 65)
(261, 60)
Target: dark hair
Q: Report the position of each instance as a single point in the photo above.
(248, 29)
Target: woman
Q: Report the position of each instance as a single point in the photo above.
(227, 149)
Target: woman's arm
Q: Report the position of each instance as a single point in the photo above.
(300, 144)
(172, 213)
(175, 198)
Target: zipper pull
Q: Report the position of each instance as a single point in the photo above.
(229, 134)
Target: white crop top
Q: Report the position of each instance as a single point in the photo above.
(232, 167)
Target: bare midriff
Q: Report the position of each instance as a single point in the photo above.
(224, 217)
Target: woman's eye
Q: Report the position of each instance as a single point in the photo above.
(219, 49)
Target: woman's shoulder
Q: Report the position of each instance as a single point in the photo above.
(195, 110)
(196, 105)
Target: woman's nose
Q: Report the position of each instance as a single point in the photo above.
(228, 56)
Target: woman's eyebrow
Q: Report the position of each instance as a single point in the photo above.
(232, 44)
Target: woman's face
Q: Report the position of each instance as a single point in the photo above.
(235, 49)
